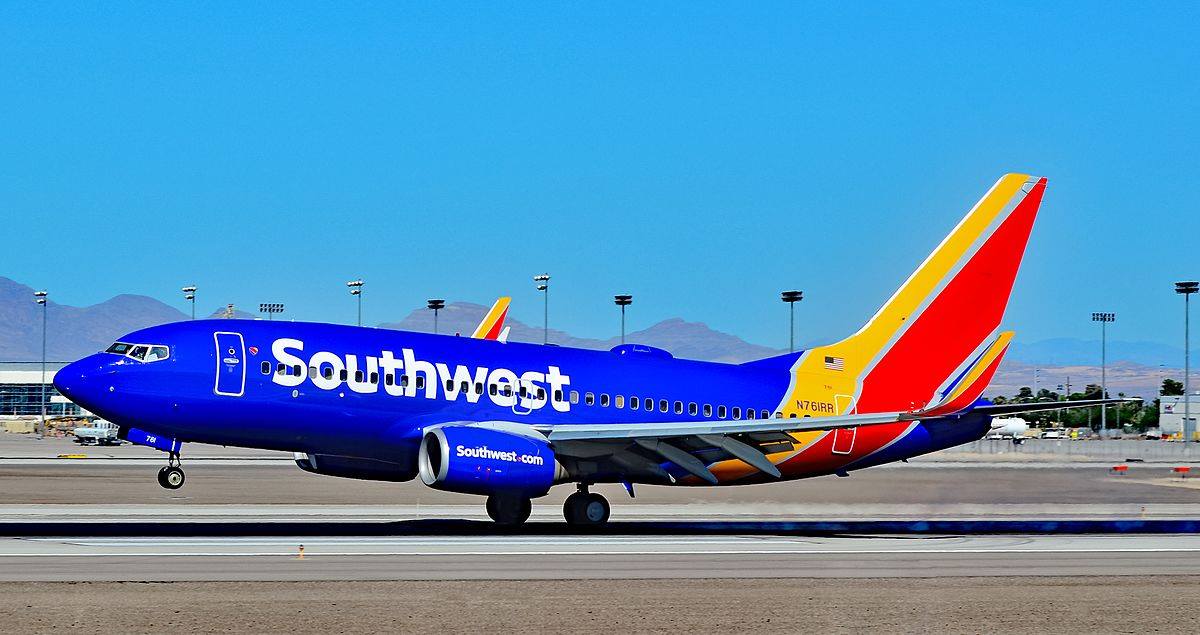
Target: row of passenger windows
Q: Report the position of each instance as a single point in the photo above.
(589, 399)
(663, 405)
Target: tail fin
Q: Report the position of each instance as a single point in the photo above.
(938, 326)
(492, 324)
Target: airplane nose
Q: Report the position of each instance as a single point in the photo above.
(73, 380)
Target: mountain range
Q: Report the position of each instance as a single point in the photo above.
(1136, 368)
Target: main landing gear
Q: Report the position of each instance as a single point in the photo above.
(171, 476)
(509, 509)
(584, 509)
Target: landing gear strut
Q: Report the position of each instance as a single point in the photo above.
(585, 509)
(509, 509)
(171, 476)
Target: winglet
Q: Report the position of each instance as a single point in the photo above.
(493, 322)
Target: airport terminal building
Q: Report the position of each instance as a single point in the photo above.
(21, 391)
(1170, 412)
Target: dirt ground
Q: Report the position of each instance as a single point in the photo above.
(958, 605)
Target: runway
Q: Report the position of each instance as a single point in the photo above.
(589, 557)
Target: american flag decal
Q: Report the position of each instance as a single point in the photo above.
(835, 363)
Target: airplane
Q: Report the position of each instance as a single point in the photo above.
(510, 420)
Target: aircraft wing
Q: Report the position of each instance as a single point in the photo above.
(677, 441)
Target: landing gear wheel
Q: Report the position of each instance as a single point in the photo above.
(170, 477)
(509, 509)
(586, 510)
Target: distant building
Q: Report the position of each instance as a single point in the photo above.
(21, 391)
(1170, 413)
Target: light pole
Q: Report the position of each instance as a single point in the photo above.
(270, 308)
(543, 285)
(1103, 319)
(356, 290)
(791, 297)
(40, 298)
(623, 300)
(435, 305)
(1186, 289)
(189, 294)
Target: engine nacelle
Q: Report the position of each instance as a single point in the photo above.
(481, 460)
(354, 467)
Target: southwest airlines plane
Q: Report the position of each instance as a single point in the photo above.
(509, 420)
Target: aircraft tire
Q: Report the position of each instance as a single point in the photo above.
(586, 510)
(171, 477)
(508, 509)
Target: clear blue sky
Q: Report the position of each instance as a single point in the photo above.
(700, 156)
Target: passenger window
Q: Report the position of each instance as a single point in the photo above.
(678, 407)
(328, 372)
(524, 391)
(662, 405)
(649, 404)
(619, 401)
(404, 380)
(720, 412)
(312, 372)
(374, 378)
(342, 375)
(604, 400)
(766, 414)
(574, 396)
(358, 376)
(389, 379)
(589, 398)
(707, 410)
(792, 416)
(749, 413)
(266, 368)
(737, 412)
(464, 386)
(558, 396)
(449, 385)
(633, 403)
(296, 370)
(420, 382)
(493, 389)
(541, 394)
(692, 408)
(479, 387)
(506, 390)
(279, 369)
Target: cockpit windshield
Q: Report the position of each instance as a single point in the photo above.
(141, 352)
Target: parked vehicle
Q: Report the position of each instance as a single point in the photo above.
(1052, 433)
(99, 432)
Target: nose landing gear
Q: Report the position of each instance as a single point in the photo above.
(171, 476)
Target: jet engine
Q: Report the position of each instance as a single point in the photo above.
(482, 460)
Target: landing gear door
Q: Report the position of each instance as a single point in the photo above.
(231, 364)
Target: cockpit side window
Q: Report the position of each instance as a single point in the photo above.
(158, 352)
(139, 352)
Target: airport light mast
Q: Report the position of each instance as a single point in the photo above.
(543, 285)
(270, 308)
(791, 297)
(189, 294)
(356, 290)
(1186, 289)
(623, 300)
(435, 305)
(40, 298)
(1103, 319)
